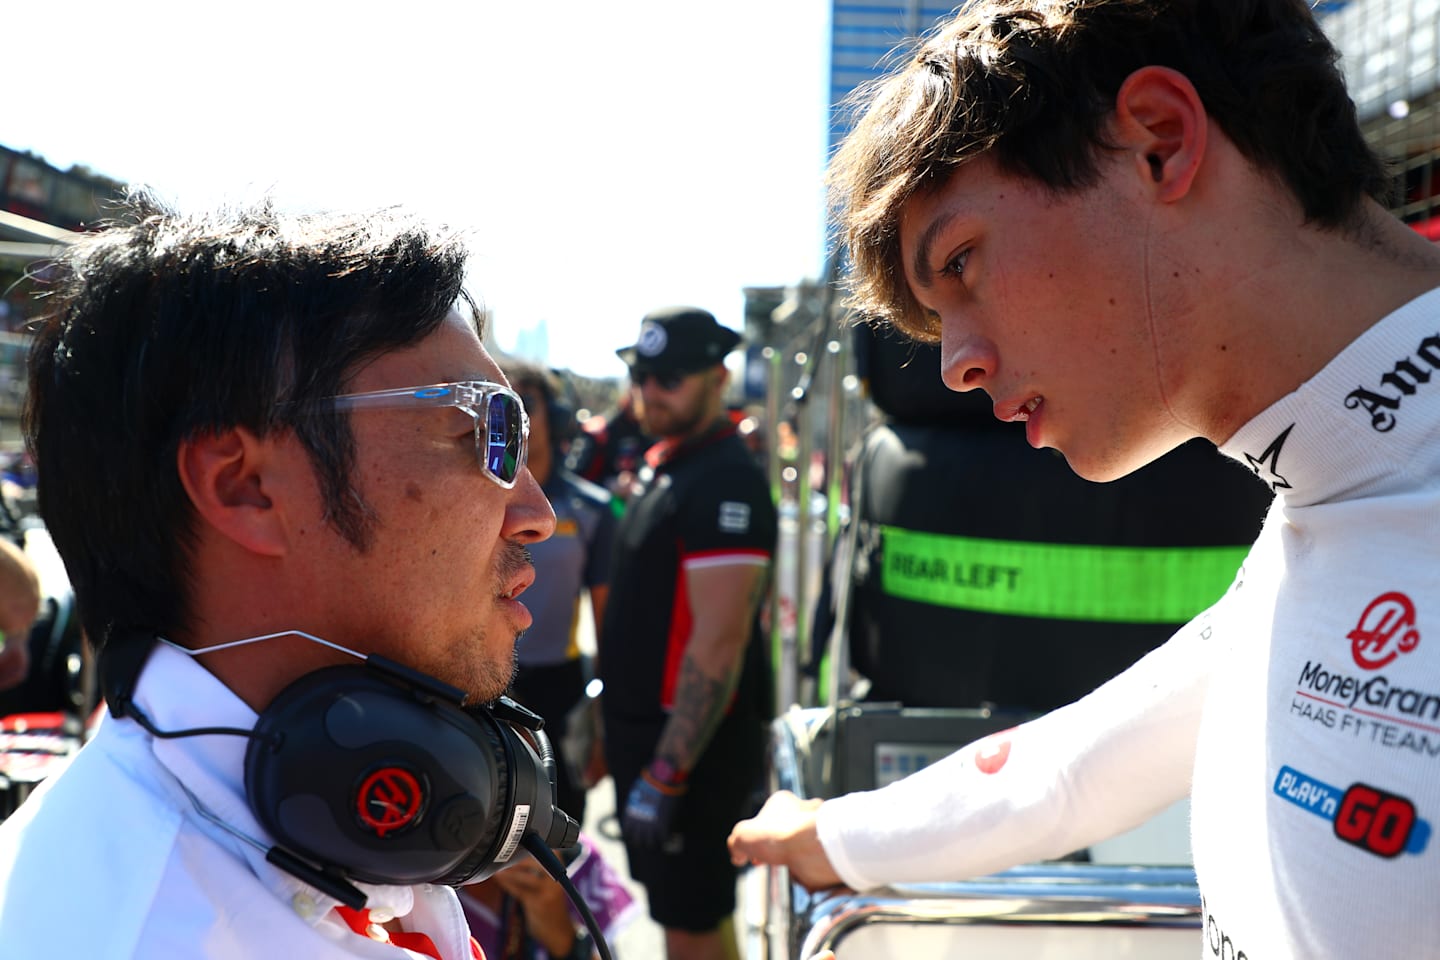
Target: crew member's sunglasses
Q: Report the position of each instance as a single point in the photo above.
(665, 381)
(502, 428)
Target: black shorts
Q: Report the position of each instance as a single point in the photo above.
(692, 888)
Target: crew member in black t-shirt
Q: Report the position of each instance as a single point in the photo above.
(609, 448)
(686, 682)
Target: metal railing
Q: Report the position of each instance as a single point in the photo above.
(1075, 910)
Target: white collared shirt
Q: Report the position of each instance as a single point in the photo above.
(111, 859)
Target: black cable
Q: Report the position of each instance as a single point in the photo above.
(144, 721)
(547, 859)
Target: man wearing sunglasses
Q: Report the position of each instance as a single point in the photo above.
(256, 427)
(571, 565)
(686, 682)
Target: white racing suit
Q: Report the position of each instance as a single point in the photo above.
(1301, 712)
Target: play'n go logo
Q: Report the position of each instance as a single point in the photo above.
(1386, 630)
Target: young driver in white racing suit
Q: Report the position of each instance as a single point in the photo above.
(1132, 224)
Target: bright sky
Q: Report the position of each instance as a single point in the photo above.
(611, 157)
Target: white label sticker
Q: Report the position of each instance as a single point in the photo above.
(734, 517)
(517, 830)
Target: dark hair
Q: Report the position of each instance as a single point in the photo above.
(1032, 83)
(531, 378)
(528, 377)
(163, 327)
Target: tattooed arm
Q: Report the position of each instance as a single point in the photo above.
(723, 602)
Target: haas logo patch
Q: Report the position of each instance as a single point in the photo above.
(1386, 630)
(992, 752)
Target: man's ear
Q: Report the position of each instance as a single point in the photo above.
(225, 475)
(1161, 122)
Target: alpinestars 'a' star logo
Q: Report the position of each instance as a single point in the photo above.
(1270, 460)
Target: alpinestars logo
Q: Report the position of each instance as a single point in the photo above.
(1270, 459)
(1406, 378)
(1386, 630)
(1363, 816)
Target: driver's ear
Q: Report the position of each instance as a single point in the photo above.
(1161, 120)
(229, 477)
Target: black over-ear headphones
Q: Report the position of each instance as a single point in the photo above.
(379, 773)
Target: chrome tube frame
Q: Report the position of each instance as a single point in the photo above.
(1041, 893)
(1093, 895)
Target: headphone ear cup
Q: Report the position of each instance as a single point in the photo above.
(505, 828)
(531, 792)
(536, 778)
(356, 771)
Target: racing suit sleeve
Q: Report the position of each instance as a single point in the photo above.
(1079, 774)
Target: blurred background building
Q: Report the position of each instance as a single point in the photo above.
(1391, 51)
(41, 206)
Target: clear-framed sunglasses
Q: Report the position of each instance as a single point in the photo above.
(502, 427)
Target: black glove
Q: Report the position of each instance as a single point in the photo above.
(651, 806)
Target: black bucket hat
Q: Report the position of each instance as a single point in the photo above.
(679, 340)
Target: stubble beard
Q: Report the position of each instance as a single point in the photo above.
(684, 423)
(474, 665)
(494, 678)
(483, 677)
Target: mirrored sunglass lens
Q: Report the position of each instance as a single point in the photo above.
(665, 381)
(502, 449)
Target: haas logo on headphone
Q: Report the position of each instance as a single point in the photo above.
(390, 800)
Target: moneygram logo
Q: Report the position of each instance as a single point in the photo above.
(1376, 693)
(1386, 630)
